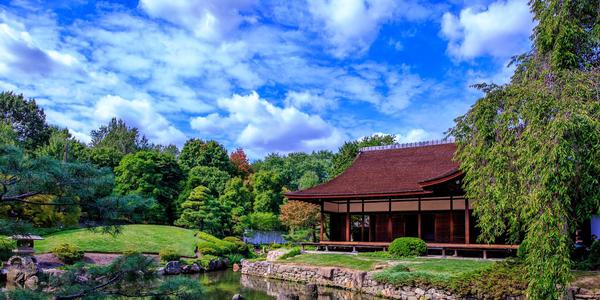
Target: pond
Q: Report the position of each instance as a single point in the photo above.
(223, 285)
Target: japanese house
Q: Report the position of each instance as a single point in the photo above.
(395, 191)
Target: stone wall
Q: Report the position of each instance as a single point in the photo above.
(354, 280)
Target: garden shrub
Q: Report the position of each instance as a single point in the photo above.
(501, 280)
(400, 275)
(205, 260)
(293, 252)
(6, 247)
(168, 254)
(212, 245)
(234, 258)
(68, 254)
(378, 254)
(240, 246)
(408, 246)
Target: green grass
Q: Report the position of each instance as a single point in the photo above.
(367, 262)
(141, 238)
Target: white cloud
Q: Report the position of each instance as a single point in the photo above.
(261, 127)
(209, 19)
(352, 25)
(140, 114)
(500, 30)
(309, 100)
(415, 135)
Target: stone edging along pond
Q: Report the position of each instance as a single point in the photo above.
(359, 281)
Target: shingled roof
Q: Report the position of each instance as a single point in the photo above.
(389, 171)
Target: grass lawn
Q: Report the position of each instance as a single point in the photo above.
(142, 238)
(365, 262)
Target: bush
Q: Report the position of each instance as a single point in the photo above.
(205, 260)
(500, 281)
(6, 247)
(592, 262)
(212, 245)
(169, 254)
(241, 247)
(293, 252)
(234, 258)
(378, 254)
(408, 246)
(68, 254)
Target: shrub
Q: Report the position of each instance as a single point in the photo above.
(592, 262)
(6, 247)
(168, 254)
(212, 245)
(293, 252)
(205, 260)
(68, 253)
(378, 254)
(408, 246)
(234, 258)
(499, 281)
(240, 246)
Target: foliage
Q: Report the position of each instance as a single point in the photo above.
(150, 174)
(210, 177)
(293, 252)
(6, 247)
(378, 254)
(241, 247)
(240, 163)
(197, 153)
(299, 214)
(501, 280)
(119, 137)
(294, 166)
(196, 210)
(62, 146)
(168, 254)
(68, 253)
(50, 215)
(234, 258)
(407, 246)
(349, 150)
(263, 221)
(139, 238)
(211, 245)
(530, 149)
(308, 180)
(8, 136)
(236, 202)
(267, 190)
(205, 260)
(26, 118)
(300, 235)
(592, 261)
(103, 157)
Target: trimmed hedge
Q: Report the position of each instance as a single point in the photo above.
(169, 254)
(68, 254)
(408, 246)
(212, 245)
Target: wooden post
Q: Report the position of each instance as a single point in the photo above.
(362, 223)
(451, 219)
(347, 220)
(467, 223)
(419, 219)
(390, 225)
(322, 227)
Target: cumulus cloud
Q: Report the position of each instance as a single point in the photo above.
(352, 25)
(310, 100)
(140, 114)
(500, 30)
(209, 19)
(261, 127)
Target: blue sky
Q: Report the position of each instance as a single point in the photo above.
(267, 76)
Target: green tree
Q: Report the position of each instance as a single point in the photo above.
(63, 146)
(151, 174)
(103, 156)
(293, 166)
(265, 221)
(308, 180)
(267, 187)
(530, 149)
(210, 177)
(349, 150)
(236, 202)
(117, 135)
(8, 136)
(27, 119)
(196, 210)
(197, 152)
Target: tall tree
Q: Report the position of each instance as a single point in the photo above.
(151, 174)
(196, 211)
(197, 152)
(349, 150)
(530, 149)
(26, 118)
(117, 135)
(236, 202)
(268, 188)
(63, 146)
(240, 163)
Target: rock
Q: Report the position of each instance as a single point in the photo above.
(327, 273)
(217, 264)
(287, 297)
(172, 268)
(236, 267)
(191, 269)
(160, 271)
(312, 291)
(237, 297)
(274, 255)
(31, 283)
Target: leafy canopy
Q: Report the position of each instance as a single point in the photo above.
(26, 118)
(530, 149)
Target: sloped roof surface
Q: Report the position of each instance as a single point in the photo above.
(388, 171)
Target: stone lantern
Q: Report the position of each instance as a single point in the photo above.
(25, 244)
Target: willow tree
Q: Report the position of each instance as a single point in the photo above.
(531, 149)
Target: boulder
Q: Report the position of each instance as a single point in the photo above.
(236, 267)
(237, 297)
(191, 269)
(217, 264)
(20, 269)
(31, 283)
(326, 273)
(287, 297)
(274, 255)
(172, 268)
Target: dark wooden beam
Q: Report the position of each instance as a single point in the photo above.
(362, 223)
(322, 227)
(451, 219)
(467, 223)
(348, 220)
(419, 219)
(389, 223)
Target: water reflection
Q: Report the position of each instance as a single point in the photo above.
(224, 284)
